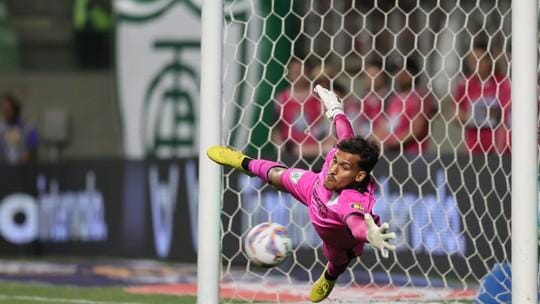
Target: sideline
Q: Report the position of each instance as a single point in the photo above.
(280, 292)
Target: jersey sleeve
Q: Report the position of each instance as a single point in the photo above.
(343, 127)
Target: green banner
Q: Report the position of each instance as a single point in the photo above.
(275, 51)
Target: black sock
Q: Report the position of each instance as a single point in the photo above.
(328, 276)
(245, 164)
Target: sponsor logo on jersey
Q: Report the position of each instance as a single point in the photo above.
(321, 207)
(357, 206)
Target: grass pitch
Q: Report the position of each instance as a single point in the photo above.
(24, 293)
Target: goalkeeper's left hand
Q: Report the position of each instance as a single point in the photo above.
(330, 100)
(378, 237)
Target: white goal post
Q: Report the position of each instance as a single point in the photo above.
(449, 205)
(525, 153)
(209, 251)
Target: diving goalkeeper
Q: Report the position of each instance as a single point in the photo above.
(340, 197)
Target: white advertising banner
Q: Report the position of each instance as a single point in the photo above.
(158, 70)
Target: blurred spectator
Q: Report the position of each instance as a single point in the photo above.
(301, 124)
(503, 138)
(403, 127)
(363, 112)
(93, 26)
(483, 104)
(18, 139)
(325, 75)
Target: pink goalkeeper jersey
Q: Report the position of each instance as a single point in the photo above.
(328, 210)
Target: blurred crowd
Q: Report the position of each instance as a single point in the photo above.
(388, 100)
(393, 108)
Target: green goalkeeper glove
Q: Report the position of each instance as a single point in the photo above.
(330, 100)
(378, 237)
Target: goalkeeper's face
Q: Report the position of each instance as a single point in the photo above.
(343, 171)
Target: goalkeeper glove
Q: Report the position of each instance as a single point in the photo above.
(378, 237)
(330, 100)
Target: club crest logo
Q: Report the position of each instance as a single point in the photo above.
(295, 176)
(158, 70)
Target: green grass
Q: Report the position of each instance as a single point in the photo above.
(25, 293)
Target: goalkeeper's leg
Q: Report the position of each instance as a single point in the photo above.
(227, 157)
(322, 288)
(268, 171)
(297, 182)
(338, 261)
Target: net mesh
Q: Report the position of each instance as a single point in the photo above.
(428, 81)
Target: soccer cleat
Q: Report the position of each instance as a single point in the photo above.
(321, 289)
(227, 157)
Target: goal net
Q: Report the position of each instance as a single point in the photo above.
(429, 82)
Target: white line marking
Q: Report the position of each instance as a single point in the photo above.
(57, 300)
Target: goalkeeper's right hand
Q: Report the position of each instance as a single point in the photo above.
(330, 100)
(378, 237)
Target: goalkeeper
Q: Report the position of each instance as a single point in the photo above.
(340, 197)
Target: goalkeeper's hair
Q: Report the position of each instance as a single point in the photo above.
(368, 152)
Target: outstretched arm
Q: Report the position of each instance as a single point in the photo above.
(366, 230)
(343, 127)
(334, 111)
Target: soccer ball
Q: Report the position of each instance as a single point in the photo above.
(267, 244)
